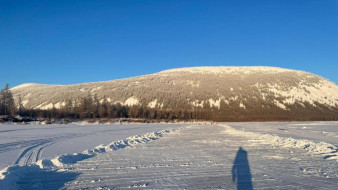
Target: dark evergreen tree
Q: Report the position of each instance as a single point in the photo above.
(7, 105)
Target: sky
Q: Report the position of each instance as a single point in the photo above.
(77, 41)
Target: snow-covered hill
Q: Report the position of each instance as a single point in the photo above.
(261, 92)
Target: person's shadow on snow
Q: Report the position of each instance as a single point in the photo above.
(241, 170)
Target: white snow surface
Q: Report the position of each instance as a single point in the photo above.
(325, 92)
(25, 85)
(224, 70)
(26, 144)
(131, 101)
(288, 155)
(152, 104)
(215, 103)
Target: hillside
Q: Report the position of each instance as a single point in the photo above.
(228, 93)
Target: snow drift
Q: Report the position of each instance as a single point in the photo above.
(326, 150)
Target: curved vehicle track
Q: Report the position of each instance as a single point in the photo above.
(26, 144)
(32, 154)
(34, 149)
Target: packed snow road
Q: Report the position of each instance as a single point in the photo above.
(196, 156)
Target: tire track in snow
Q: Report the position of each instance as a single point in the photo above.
(33, 148)
(29, 145)
(34, 175)
(32, 154)
(20, 144)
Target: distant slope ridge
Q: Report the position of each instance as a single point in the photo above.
(230, 93)
(247, 69)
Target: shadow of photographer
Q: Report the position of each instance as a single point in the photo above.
(241, 171)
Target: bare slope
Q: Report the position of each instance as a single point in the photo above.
(230, 93)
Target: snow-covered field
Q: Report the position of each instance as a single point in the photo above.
(292, 155)
(26, 144)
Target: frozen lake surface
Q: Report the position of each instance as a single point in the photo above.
(26, 144)
(274, 155)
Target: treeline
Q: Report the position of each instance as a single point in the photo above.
(116, 111)
(91, 107)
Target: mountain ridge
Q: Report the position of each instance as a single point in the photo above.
(261, 68)
(237, 91)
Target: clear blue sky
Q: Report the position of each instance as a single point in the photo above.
(70, 41)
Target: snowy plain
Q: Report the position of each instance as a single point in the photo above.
(269, 155)
(26, 144)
